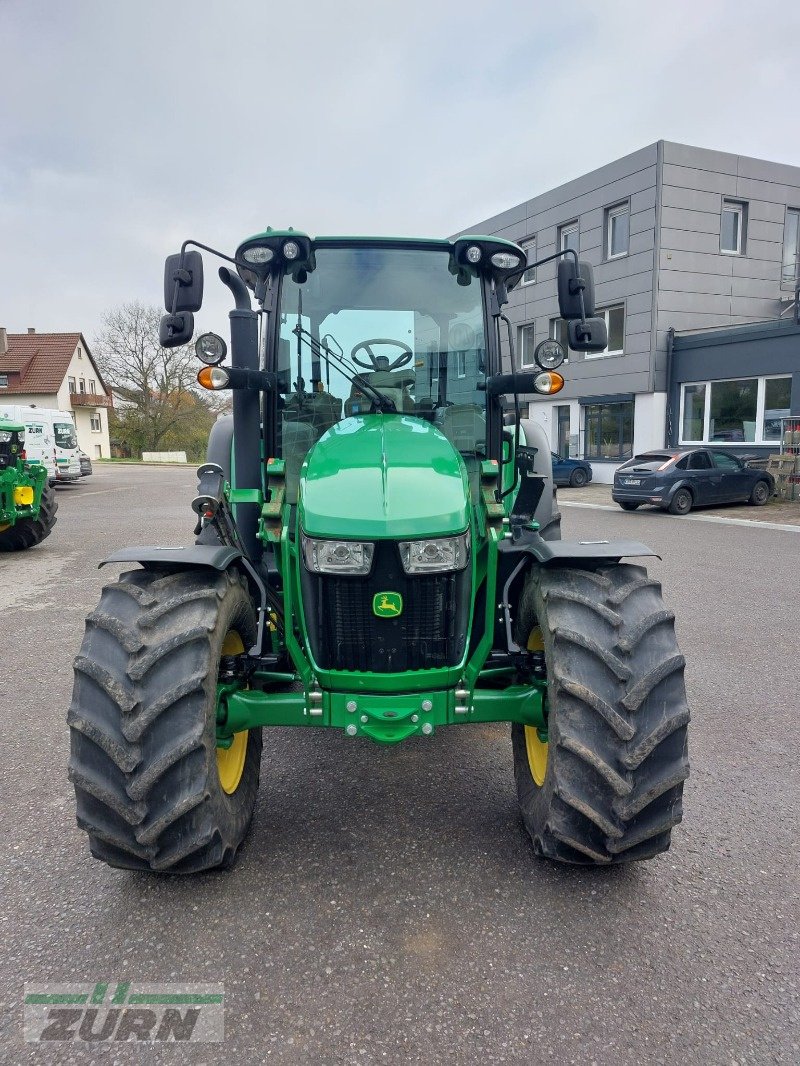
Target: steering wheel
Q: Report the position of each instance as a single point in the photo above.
(381, 362)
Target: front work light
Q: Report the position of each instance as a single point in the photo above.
(505, 260)
(291, 250)
(434, 556)
(548, 354)
(338, 556)
(257, 254)
(213, 377)
(210, 349)
(473, 254)
(548, 382)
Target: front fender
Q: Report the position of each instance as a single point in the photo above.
(563, 551)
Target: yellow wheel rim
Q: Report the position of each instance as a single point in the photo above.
(4, 526)
(230, 761)
(536, 748)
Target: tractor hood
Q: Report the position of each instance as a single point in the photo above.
(383, 476)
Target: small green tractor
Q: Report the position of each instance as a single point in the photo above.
(27, 502)
(377, 551)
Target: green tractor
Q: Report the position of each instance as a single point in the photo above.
(378, 552)
(27, 502)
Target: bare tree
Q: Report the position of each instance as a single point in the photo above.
(157, 385)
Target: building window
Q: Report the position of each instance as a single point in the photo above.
(3, 381)
(694, 413)
(82, 385)
(559, 331)
(93, 387)
(608, 430)
(614, 318)
(732, 413)
(617, 230)
(563, 425)
(529, 245)
(97, 423)
(733, 223)
(569, 236)
(790, 269)
(742, 411)
(777, 400)
(526, 343)
(71, 382)
(461, 364)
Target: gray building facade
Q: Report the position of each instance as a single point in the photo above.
(681, 239)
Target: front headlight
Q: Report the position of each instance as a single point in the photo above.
(338, 556)
(435, 556)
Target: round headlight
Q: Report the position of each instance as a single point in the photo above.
(257, 254)
(210, 349)
(474, 254)
(549, 354)
(505, 260)
(291, 250)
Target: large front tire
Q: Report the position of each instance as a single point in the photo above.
(153, 791)
(29, 532)
(608, 786)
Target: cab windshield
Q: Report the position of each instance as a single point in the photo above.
(382, 329)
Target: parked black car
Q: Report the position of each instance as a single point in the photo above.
(574, 472)
(86, 463)
(679, 479)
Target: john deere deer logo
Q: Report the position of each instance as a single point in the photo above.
(387, 604)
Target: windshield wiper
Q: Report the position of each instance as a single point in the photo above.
(322, 351)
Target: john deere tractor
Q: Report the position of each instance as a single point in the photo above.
(377, 551)
(27, 502)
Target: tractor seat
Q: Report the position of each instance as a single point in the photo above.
(394, 385)
(464, 425)
(320, 410)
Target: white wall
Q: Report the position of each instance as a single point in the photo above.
(649, 421)
(94, 442)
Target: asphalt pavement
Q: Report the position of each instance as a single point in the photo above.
(387, 906)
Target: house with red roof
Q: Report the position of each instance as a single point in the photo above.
(56, 370)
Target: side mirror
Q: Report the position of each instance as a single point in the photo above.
(572, 280)
(591, 335)
(189, 280)
(174, 330)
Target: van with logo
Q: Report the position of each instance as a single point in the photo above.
(59, 441)
(40, 441)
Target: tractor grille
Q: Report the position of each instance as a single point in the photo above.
(345, 634)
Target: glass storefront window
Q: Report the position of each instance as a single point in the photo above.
(777, 398)
(694, 409)
(733, 411)
(608, 430)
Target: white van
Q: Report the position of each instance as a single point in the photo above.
(50, 438)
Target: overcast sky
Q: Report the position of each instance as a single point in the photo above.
(126, 127)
